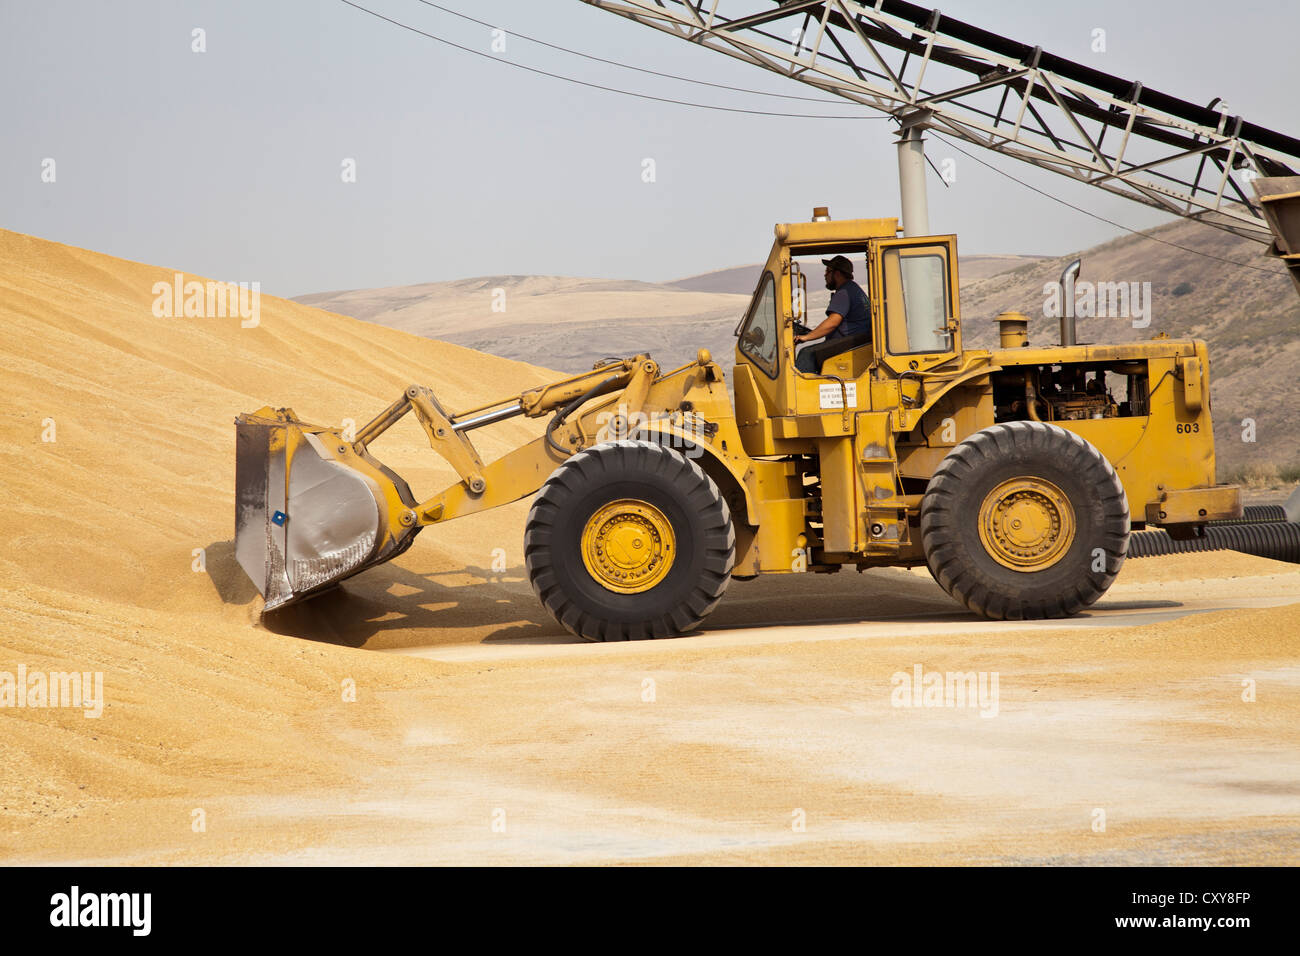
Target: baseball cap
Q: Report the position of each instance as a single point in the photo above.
(840, 264)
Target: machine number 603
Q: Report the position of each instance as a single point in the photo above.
(1188, 429)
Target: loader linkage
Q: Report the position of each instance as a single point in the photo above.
(314, 507)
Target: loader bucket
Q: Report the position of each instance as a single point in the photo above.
(310, 508)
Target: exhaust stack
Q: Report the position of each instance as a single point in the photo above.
(1068, 278)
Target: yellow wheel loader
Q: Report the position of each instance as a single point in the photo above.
(1014, 474)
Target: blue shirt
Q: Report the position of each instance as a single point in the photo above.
(851, 303)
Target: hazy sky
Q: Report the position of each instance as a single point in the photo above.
(227, 163)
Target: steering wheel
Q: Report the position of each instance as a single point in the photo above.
(800, 328)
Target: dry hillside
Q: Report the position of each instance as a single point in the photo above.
(571, 323)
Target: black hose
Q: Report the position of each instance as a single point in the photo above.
(1253, 514)
(597, 389)
(1278, 540)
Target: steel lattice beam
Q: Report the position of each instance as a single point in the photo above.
(996, 93)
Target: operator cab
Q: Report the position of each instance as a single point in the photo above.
(911, 286)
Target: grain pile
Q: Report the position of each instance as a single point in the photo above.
(101, 524)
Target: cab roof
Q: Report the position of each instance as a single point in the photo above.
(836, 230)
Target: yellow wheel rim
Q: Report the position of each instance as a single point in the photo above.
(628, 546)
(1026, 524)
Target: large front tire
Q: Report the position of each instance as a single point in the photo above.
(1025, 520)
(629, 540)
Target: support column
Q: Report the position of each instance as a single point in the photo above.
(911, 174)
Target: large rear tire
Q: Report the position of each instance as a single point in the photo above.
(1025, 520)
(629, 540)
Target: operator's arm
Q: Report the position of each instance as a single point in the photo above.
(829, 325)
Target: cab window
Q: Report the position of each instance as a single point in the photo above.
(918, 302)
(758, 337)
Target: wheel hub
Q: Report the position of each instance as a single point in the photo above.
(1026, 524)
(628, 546)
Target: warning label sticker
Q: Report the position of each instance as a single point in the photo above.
(833, 397)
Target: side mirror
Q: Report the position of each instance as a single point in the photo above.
(798, 294)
